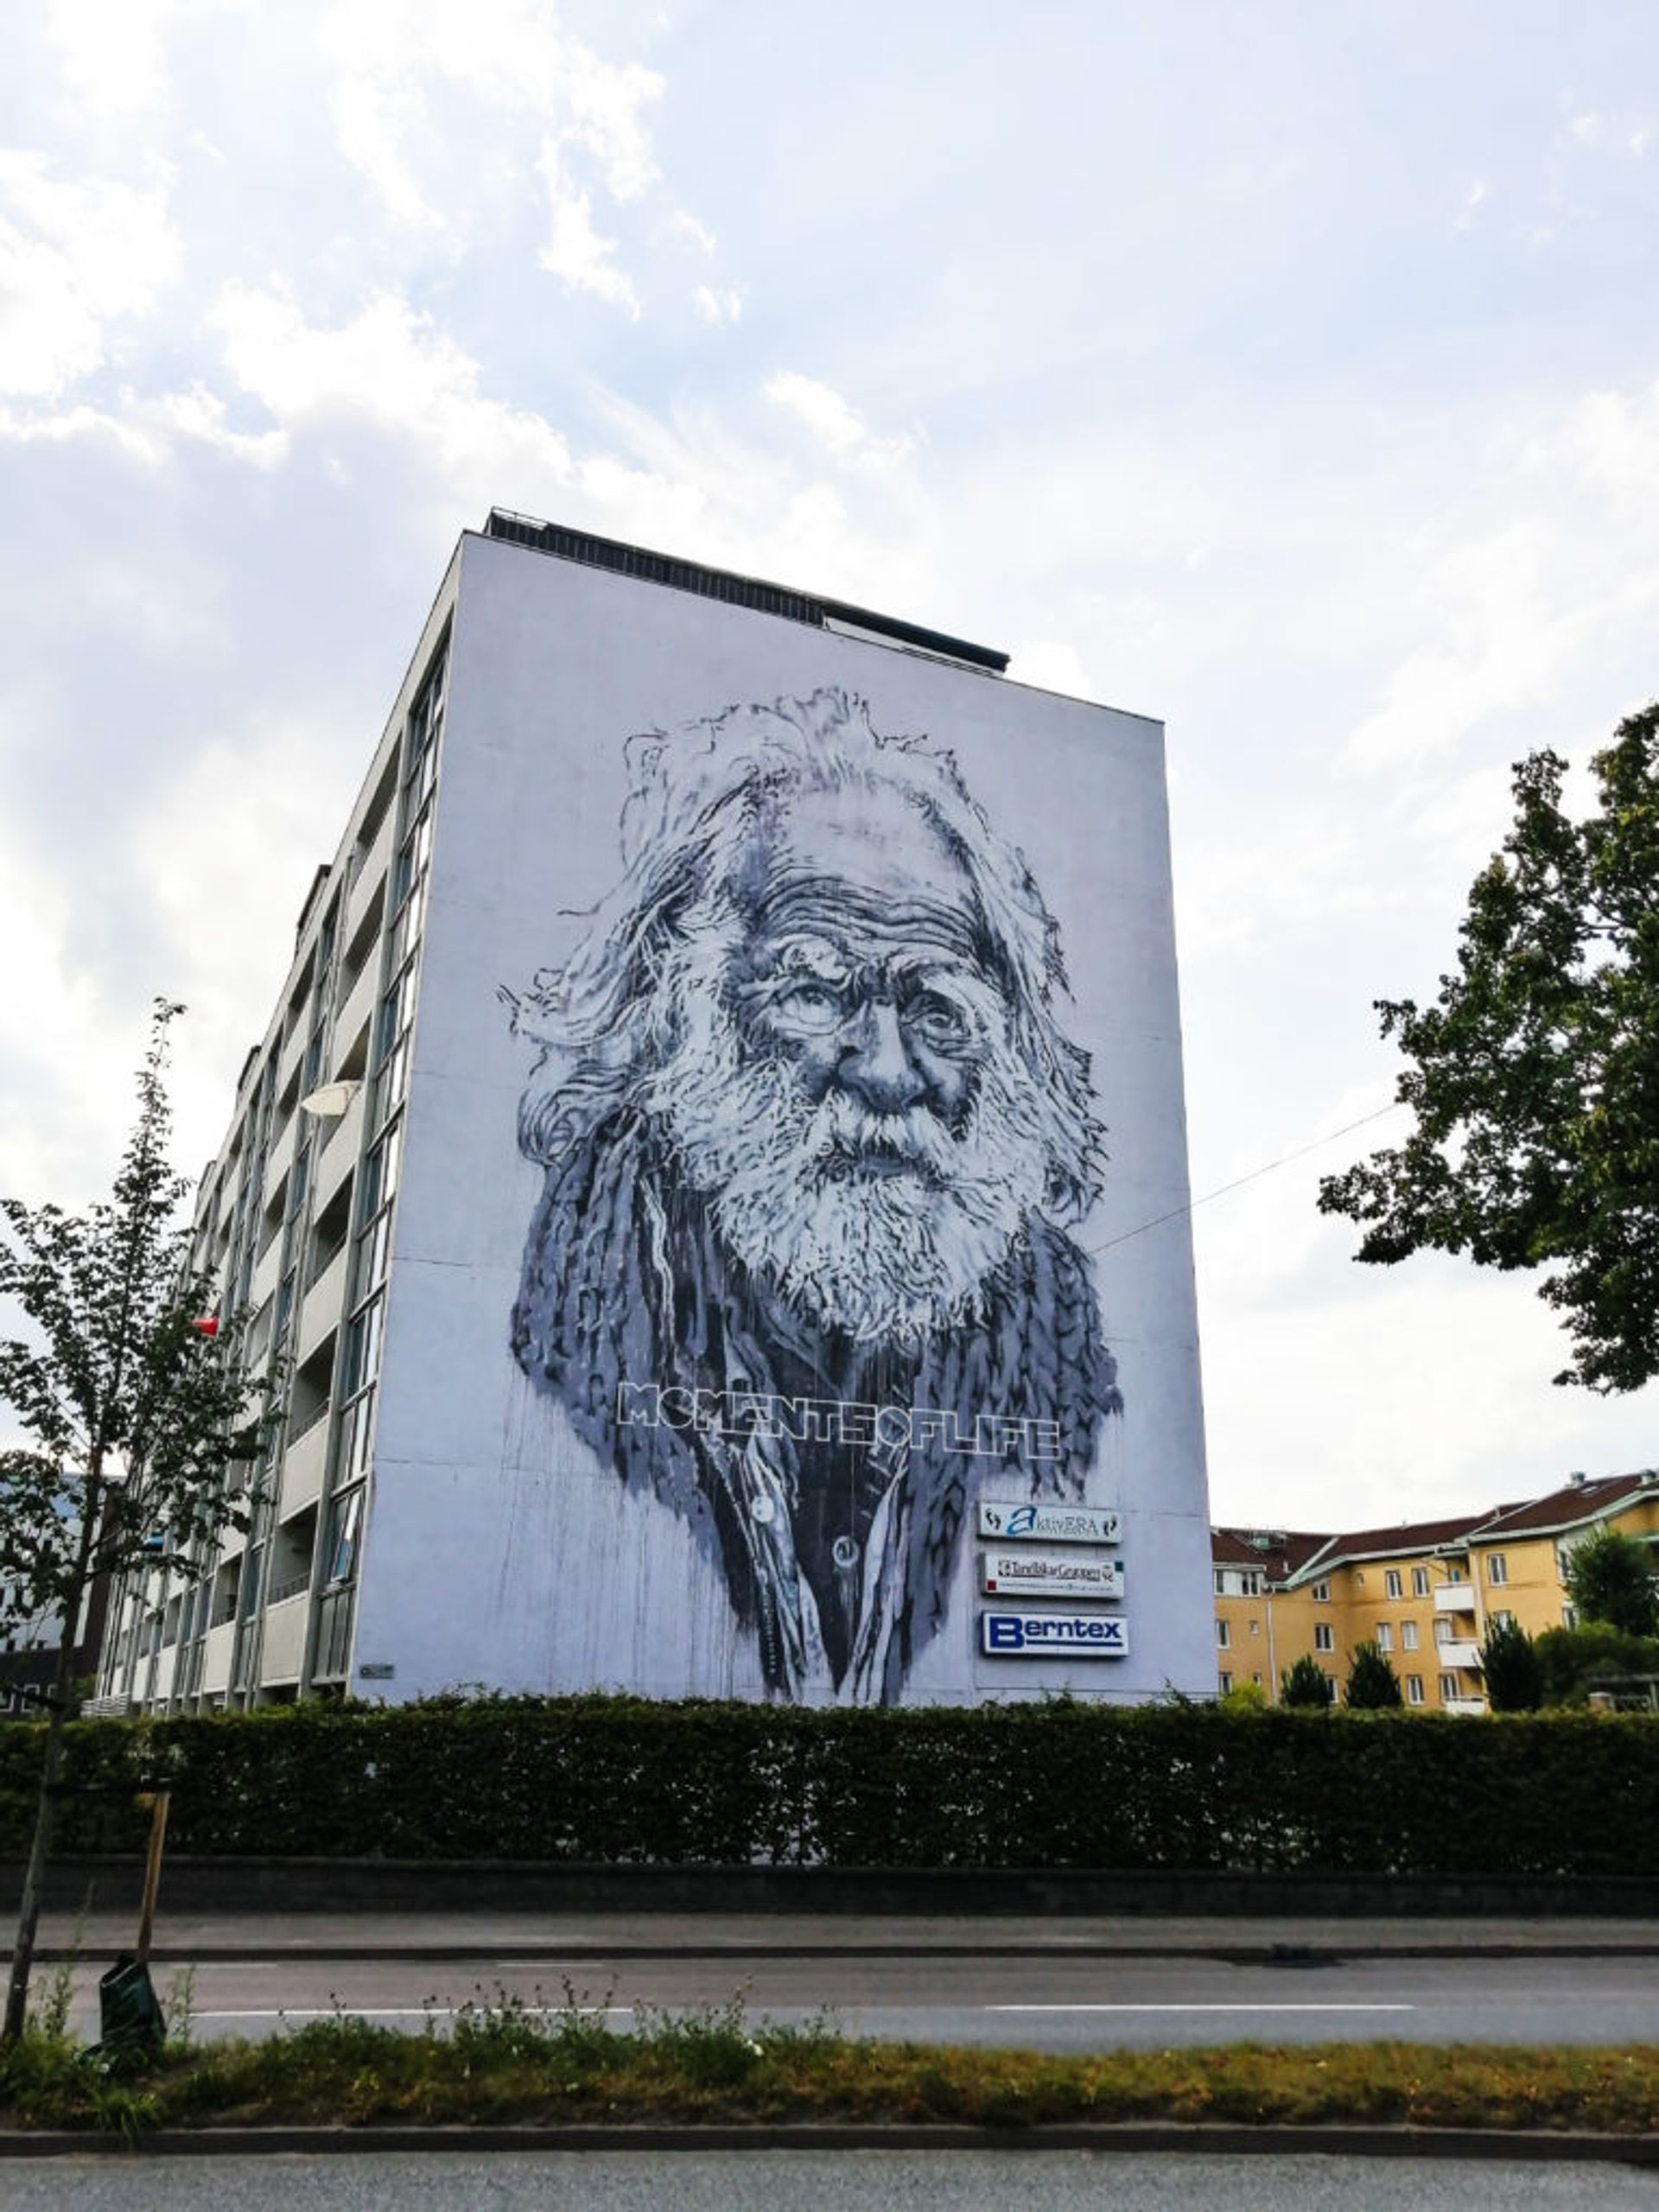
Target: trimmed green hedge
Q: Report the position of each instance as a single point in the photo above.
(1056, 1784)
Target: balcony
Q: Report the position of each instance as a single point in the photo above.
(304, 1465)
(283, 1655)
(1455, 1598)
(371, 874)
(1463, 1705)
(216, 1658)
(353, 1013)
(1460, 1653)
(342, 1138)
(267, 1271)
(325, 1301)
(280, 1157)
(293, 1051)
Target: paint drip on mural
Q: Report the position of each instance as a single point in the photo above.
(813, 1139)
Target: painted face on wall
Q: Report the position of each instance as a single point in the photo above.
(864, 961)
(845, 1094)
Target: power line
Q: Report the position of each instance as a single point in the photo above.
(1254, 1175)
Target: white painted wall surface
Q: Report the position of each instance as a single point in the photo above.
(499, 1550)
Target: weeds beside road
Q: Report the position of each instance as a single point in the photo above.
(503, 2061)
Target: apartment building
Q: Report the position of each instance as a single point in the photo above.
(553, 1422)
(1425, 1592)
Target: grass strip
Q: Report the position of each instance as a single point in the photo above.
(504, 2060)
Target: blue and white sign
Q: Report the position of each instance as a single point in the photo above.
(1045, 1636)
(1049, 1523)
(1009, 1572)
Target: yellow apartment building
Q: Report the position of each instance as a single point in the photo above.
(1426, 1592)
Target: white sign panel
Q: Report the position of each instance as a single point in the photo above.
(1048, 1524)
(1050, 1575)
(1049, 1636)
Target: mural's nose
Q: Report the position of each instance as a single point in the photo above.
(877, 1067)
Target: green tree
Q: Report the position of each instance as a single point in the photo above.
(136, 1417)
(1373, 1685)
(1513, 1673)
(1534, 1076)
(1610, 1579)
(1573, 1660)
(1305, 1684)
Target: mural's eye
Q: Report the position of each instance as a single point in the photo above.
(937, 1022)
(808, 1005)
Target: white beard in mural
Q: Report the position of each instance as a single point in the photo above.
(812, 1139)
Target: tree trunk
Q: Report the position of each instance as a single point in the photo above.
(23, 1953)
(57, 1719)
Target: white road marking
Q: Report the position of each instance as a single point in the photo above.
(1200, 2008)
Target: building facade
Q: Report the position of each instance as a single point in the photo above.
(1426, 1593)
(683, 1177)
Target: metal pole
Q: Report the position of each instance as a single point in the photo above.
(158, 1801)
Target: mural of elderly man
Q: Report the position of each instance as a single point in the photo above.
(812, 1140)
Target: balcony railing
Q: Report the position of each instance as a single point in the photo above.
(1455, 1598)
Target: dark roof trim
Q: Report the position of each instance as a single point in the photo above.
(736, 591)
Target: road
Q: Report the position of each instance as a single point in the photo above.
(844, 2181)
(1050, 1985)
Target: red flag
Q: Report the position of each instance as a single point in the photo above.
(207, 1325)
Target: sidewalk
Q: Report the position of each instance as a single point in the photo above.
(1283, 1939)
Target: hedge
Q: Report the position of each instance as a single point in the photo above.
(1053, 1784)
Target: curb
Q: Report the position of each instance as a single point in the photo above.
(1524, 2144)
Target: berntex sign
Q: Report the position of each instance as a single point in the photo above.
(1078, 1636)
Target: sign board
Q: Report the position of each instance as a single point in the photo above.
(1047, 1636)
(1015, 1523)
(1049, 1574)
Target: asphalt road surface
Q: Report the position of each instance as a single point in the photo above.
(1051, 2001)
(845, 2181)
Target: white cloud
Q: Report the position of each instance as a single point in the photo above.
(1472, 200)
(1587, 128)
(686, 225)
(110, 50)
(606, 104)
(574, 253)
(76, 254)
(719, 304)
(837, 426)
(373, 119)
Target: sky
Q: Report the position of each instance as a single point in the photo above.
(1287, 370)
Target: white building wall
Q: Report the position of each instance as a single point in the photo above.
(501, 1549)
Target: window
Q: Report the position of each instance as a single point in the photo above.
(1385, 1636)
(1321, 1593)
(1419, 1582)
(1408, 1636)
(1414, 1689)
(1498, 1568)
(1226, 1683)
(1324, 1636)
(1224, 1635)
(1221, 1584)
(1256, 1628)
(1448, 1689)
(1501, 1619)
(1444, 1631)
(344, 1518)
(1569, 1617)
(1392, 1586)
